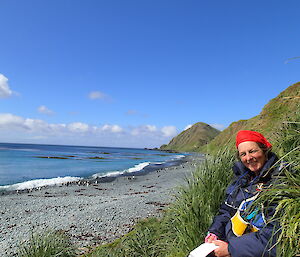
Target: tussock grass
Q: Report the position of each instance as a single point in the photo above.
(147, 239)
(199, 201)
(48, 244)
(285, 192)
(285, 195)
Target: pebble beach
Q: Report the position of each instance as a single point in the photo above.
(90, 213)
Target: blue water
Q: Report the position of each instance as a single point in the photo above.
(27, 162)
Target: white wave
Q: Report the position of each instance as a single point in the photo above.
(113, 174)
(136, 168)
(178, 156)
(109, 174)
(40, 183)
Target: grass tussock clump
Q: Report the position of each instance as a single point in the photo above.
(48, 244)
(198, 202)
(147, 239)
(285, 193)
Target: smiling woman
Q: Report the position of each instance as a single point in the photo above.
(253, 149)
(238, 230)
(252, 156)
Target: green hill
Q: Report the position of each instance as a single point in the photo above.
(192, 139)
(279, 110)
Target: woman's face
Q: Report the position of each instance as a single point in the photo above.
(252, 156)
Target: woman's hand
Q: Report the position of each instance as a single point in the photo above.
(210, 237)
(222, 250)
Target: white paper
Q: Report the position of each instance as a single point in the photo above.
(203, 250)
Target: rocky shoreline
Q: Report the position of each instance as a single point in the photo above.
(90, 213)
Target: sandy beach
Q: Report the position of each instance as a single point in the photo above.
(91, 214)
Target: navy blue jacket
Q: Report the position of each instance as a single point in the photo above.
(245, 186)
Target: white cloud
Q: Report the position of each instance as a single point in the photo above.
(98, 95)
(5, 91)
(7, 120)
(143, 130)
(188, 126)
(112, 128)
(218, 126)
(14, 128)
(151, 128)
(35, 125)
(78, 127)
(44, 110)
(13, 123)
(57, 127)
(169, 131)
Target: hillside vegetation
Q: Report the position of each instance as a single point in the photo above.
(192, 139)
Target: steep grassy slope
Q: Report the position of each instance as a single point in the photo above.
(193, 138)
(269, 122)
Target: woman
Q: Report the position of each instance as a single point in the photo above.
(236, 231)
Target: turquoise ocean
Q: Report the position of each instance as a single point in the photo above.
(24, 166)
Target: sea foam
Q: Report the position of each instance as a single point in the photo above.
(136, 168)
(40, 183)
(178, 157)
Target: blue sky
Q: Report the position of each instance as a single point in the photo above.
(134, 73)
